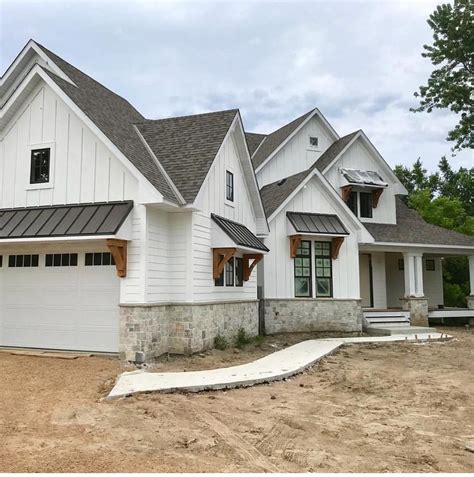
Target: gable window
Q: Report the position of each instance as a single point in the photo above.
(352, 202)
(229, 186)
(430, 265)
(322, 256)
(303, 270)
(40, 166)
(365, 204)
(313, 141)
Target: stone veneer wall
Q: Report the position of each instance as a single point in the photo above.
(182, 329)
(301, 314)
(418, 308)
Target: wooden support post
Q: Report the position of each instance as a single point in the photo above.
(248, 267)
(336, 246)
(346, 192)
(220, 257)
(376, 193)
(118, 249)
(295, 241)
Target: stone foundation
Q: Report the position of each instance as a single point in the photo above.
(296, 315)
(418, 308)
(152, 330)
(470, 302)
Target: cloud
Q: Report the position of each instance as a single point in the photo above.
(358, 62)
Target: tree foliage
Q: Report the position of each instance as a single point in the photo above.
(451, 83)
(444, 198)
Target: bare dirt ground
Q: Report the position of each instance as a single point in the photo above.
(367, 408)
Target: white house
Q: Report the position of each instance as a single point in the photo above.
(118, 233)
(140, 237)
(342, 242)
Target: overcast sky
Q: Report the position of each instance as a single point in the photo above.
(358, 62)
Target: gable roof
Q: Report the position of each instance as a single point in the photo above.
(114, 116)
(334, 150)
(276, 138)
(187, 146)
(273, 195)
(253, 141)
(411, 228)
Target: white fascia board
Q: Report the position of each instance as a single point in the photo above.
(295, 132)
(146, 188)
(160, 166)
(417, 247)
(31, 45)
(39, 240)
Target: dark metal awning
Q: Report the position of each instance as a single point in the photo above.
(64, 220)
(306, 223)
(239, 233)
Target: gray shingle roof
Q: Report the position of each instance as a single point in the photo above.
(64, 220)
(114, 116)
(411, 228)
(273, 195)
(276, 138)
(186, 146)
(239, 233)
(253, 141)
(333, 151)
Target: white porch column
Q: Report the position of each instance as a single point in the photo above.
(413, 274)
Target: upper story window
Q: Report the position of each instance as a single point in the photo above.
(352, 203)
(40, 166)
(229, 186)
(360, 204)
(313, 141)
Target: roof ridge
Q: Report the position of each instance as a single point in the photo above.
(197, 115)
(292, 121)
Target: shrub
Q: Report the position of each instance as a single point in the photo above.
(242, 339)
(220, 342)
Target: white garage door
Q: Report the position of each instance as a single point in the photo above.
(60, 306)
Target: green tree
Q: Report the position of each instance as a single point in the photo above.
(452, 81)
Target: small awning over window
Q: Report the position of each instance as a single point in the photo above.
(239, 234)
(64, 220)
(325, 224)
(368, 178)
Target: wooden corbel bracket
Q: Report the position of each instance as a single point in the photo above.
(376, 193)
(220, 256)
(346, 192)
(118, 249)
(248, 267)
(336, 246)
(295, 241)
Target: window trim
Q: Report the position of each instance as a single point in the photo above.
(331, 278)
(310, 257)
(52, 156)
(230, 172)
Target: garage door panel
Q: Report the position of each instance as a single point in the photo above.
(72, 308)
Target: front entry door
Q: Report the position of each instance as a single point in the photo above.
(365, 280)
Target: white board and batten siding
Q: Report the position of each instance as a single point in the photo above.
(357, 156)
(211, 199)
(297, 155)
(279, 266)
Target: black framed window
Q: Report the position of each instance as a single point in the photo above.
(61, 260)
(401, 264)
(229, 273)
(303, 287)
(23, 261)
(352, 202)
(97, 259)
(229, 186)
(365, 204)
(40, 166)
(239, 272)
(323, 262)
(430, 265)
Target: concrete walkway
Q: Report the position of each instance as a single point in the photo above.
(273, 367)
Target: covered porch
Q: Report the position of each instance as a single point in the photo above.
(407, 282)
